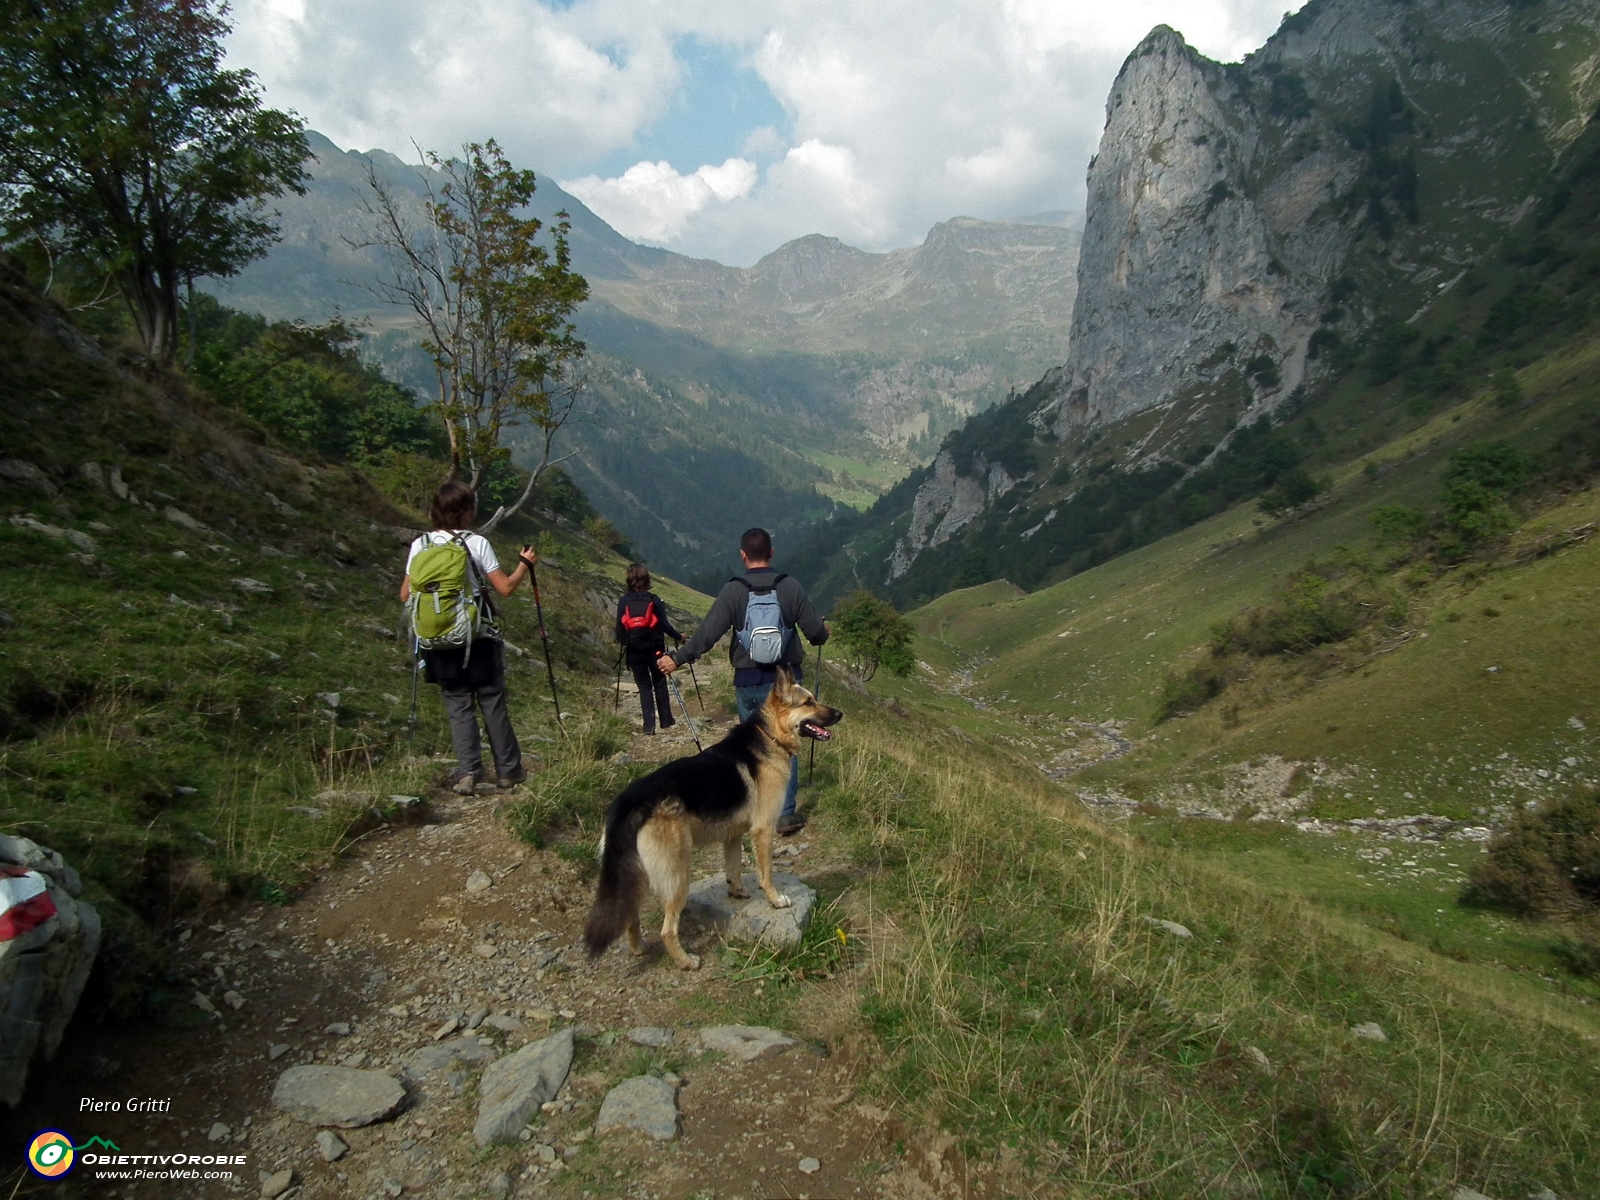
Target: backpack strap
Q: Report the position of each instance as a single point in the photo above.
(482, 582)
(772, 587)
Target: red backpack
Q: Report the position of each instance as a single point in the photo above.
(641, 623)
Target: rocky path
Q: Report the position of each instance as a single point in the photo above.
(435, 950)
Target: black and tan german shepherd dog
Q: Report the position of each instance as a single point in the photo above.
(728, 789)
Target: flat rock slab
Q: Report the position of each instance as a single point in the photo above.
(647, 1103)
(650, 1035)
(513, 1087)
(341, 1096)
(745, 1043)
(753, 920)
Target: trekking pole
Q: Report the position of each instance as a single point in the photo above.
(411, 723)
(544, 638)
(678, 692)
(811, 768)
(616, 703)
(701, 699)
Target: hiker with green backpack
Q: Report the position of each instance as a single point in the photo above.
(449, 574)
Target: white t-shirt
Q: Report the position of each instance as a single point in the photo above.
(477, 546)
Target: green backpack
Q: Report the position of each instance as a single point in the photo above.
(444, 603)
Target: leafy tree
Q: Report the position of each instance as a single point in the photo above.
(494, 306)
(873, 634)
(125, 144)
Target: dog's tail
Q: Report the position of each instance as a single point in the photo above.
(622, 874)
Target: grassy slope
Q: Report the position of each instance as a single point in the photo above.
(1023, 1000)
(170, 732)
(1426, 728)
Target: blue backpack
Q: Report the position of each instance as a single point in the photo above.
(764, 636)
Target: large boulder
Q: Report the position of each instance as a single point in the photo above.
(48, 942)
(513, 1087)
(753, 920)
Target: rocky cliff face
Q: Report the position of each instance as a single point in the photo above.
(1245, 221)
(1178, 259)
(947, 503)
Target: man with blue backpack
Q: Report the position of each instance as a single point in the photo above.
(765, 607)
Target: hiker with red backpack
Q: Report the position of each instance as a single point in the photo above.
(643, 630)
(450, 573)
(765, 608)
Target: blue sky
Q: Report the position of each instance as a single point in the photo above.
(719, 103)
(723, 128)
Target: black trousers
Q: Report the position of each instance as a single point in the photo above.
(653, 696)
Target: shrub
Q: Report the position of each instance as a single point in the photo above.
(1264, 371)
(873, 634)
(1477, 484)
(1578, 950)
(1507, 388)
(1189, 690)
(1545, 862)
(1292, 489)
(1397, 523)
(1309, 612)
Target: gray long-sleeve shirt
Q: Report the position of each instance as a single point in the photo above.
(727, 612)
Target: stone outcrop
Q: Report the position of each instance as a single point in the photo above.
(48, 941)
(513, 1087)
(746, 1043)
(646, 1103)
(1177, 258)
(1227, 202)
(946, 504)
(753, 919)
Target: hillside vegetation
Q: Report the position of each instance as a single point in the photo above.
(203, 687)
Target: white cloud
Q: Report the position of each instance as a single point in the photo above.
(650, 201)
(900, 113)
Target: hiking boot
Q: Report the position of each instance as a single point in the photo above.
(791, 824)
(668, 722)
(520, 775)
(465, 785)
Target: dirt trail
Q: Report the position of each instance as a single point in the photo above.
(371, 962)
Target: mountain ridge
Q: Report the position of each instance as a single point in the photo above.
(860, 361)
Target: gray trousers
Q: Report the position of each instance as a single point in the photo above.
(462, 701)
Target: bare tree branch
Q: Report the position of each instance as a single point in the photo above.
(493, 305)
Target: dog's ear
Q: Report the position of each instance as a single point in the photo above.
(785, 682)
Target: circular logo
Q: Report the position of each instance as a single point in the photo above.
(50, 1154)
